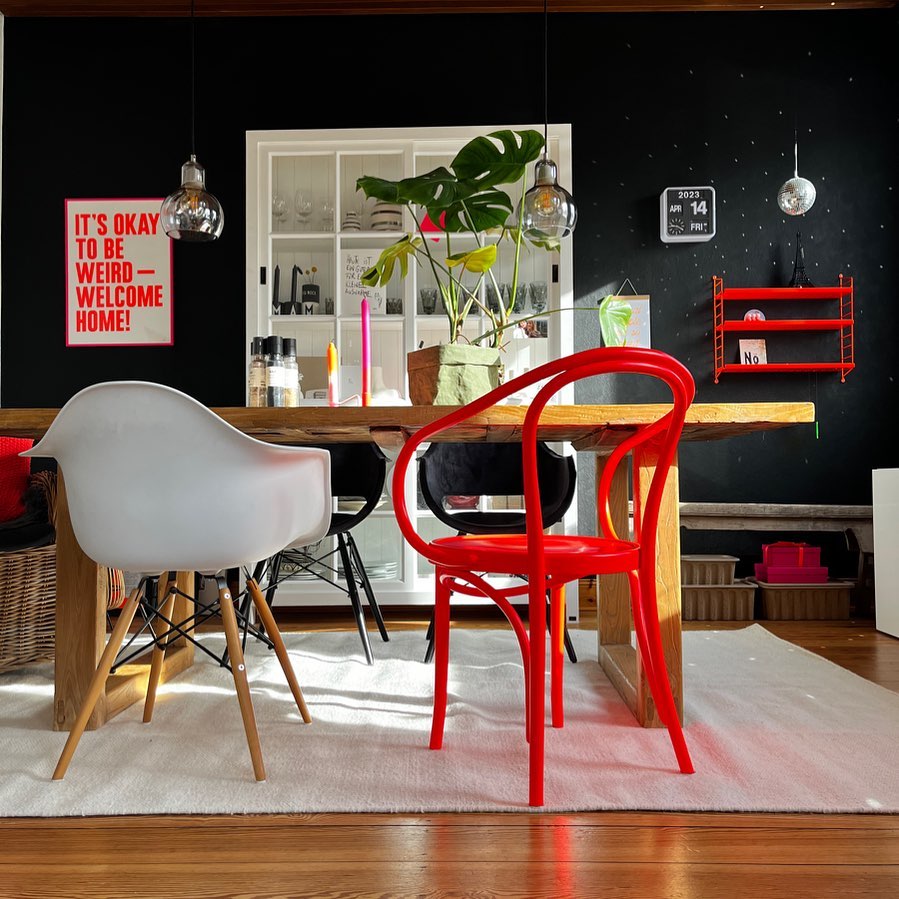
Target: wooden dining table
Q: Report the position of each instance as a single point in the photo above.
(81, 589)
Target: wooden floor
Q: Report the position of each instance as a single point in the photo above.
(607, 855)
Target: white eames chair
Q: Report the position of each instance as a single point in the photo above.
(157, 482)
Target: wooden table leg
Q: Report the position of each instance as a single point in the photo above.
(618, 658)
(80, 623)
(81, 633)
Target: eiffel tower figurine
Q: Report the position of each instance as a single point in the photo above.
(800, 278)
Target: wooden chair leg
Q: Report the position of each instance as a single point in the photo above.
(657, 672)
(239, 672)
(537, 697)
(156, 663)
(557, 654)
(271, 629)
(441, 658)
(98, 681)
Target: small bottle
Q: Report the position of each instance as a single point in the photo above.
(274, 371)
(256, 380)
(292, 392)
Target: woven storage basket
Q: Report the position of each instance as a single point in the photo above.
(27, 606)
(28, 596)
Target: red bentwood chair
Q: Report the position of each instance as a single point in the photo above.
(551, 560)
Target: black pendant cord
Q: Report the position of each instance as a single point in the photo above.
(545, 77)
(193, 81)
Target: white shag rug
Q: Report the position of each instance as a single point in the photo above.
(770, 726)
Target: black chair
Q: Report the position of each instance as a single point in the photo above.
(449, 470)
(358, 472)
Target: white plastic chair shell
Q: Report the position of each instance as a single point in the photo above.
(156, 481)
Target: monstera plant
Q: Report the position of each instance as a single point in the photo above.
(466, 198)
(466, 204)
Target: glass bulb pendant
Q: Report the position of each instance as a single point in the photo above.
(192, 213)
(549, 212)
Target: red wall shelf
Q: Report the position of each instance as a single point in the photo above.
(785, 293)
(797, 324)
(844, 324)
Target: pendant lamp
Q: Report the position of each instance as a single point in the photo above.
(191, 213)
(549, 211)
(797, 195)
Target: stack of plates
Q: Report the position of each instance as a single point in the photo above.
(354, 505)
(386, 217)
(377, 571)
(296, 573)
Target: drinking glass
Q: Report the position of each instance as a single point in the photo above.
(538, 296)
(280, 212)
(326, 215)
(428, 299)
(521, 297)
(492, 297)
(302, 204)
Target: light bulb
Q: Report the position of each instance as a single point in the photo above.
(549, 211)
(192, 213)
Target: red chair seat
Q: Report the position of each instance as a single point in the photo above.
(566, 557)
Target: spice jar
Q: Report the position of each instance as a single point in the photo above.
(274, 371)
(292, 376)
(256, 374)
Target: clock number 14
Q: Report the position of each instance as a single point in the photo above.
(700, 207)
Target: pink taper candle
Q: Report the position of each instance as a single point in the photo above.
(366, 352)
(332, 375)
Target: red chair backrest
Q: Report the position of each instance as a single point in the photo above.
(661, 436)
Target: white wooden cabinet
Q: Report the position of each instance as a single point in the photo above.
(303, 210)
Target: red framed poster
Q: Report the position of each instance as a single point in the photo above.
(118, 274)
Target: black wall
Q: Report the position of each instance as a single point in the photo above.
(101, 108)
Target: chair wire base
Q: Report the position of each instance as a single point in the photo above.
(150, 608)
(354, 573)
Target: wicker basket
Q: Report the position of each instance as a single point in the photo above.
(27, 606)
(28, 596)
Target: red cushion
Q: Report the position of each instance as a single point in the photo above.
(14, 473)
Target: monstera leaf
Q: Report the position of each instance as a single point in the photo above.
(614, 317)
(400, 252)
(479, 260)
(467, 194)
(484, 164)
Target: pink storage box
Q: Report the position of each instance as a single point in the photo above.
(791, 574)
(788, 554)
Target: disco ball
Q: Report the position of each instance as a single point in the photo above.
(796, 196)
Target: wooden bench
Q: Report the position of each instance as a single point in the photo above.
(856, 522)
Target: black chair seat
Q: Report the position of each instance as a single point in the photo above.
(449, 470)
(344, 521)
(358, 472)
(488, 522)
